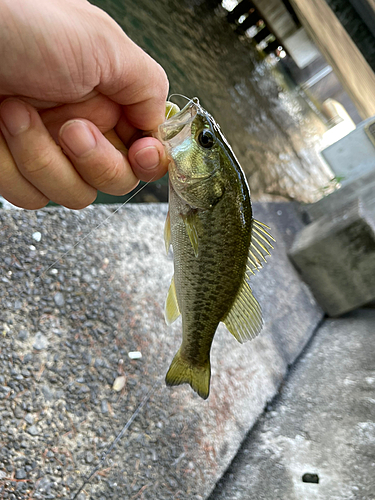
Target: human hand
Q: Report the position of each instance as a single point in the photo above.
(75, 92)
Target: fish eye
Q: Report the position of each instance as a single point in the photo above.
(206, 139)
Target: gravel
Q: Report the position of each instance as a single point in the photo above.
(59, 299)
(69, 317)
(20, 474)
(40, 342)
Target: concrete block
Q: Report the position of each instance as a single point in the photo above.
(300, 47)
(336, 256)
(353, 155)
(114, 284)
(362, 187)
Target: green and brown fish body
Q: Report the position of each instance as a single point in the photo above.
(211, 229)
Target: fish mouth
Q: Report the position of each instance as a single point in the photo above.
(175, 129)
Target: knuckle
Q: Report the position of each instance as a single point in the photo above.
(111, 175)
(37, 162)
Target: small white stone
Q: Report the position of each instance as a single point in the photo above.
(119, 383)
(135, 355)
(37, 236)
(32, 247)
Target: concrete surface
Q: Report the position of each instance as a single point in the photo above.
(336, 255)
(323, 423)
(70, 315)
(354, 155)
(361, 188)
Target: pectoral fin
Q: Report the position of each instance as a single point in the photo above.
(171, 310)
(193, 227)
(167, 232)
(244, 320)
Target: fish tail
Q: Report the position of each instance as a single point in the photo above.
(183, 372)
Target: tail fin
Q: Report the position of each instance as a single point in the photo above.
(183, 372)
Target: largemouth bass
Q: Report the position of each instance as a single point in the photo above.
(216, 242)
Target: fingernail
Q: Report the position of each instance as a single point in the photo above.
(147, 158)
(77, 136)
(15, 117)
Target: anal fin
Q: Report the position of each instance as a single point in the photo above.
(244, 320)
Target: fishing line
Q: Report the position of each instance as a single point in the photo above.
(150, 392)
(169, 112)
(118, 437)
(194, 100)
(95, 228)
(212, 123)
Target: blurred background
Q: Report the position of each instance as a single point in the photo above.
(284, 79)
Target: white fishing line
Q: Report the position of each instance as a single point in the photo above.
(158, 382)
(118, 438)
(211, 121)
(194, 99)
(61, 256)
(169, 112)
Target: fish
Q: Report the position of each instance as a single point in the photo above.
(217, 244)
